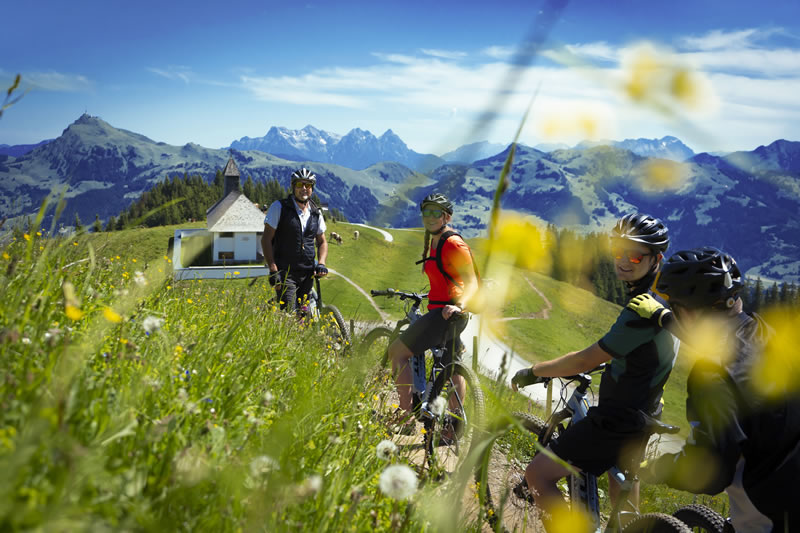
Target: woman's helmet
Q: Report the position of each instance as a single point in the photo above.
(303, 175)
(438, 199)
(644, 229)
(702, 277)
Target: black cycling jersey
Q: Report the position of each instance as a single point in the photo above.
(643, 355)
(730, 421)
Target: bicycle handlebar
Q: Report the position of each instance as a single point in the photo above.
(403, 295)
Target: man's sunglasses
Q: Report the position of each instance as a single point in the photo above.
(633, 257)
(436, 213)
(304, 184)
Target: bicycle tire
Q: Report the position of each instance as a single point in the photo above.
(448, 438)
(656, 523)
(493, 462)
(344, 333)
(701, 518)
(376, 342)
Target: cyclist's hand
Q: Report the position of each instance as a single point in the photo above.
(275, 278)
(320, 270)
(450, 310)
(523, 378)
(648, 308)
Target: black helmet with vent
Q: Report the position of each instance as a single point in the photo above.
(644, 229)
(438, 199)
(702, 277)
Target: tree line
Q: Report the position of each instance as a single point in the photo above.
(186, 198)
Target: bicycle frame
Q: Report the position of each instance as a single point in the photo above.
(420, 386)
(583, 487)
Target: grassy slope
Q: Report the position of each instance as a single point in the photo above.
(105, 424)
(577, 317)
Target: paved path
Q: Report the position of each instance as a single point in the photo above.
(386, 235)
(384, 316)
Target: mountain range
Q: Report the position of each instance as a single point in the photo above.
(745, 202)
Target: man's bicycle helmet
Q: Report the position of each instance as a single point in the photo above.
(702, 277)
(304, 175)
(438, 199)
(644, 229)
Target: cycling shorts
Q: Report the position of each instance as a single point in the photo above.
(601, 441)
(433, 330)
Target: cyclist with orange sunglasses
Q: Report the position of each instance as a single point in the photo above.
(642, 356)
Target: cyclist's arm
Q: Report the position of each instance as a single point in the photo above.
(322, 248)
(457, 259)
(266, 247)
(573, 362)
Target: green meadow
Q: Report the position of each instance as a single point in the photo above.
(135, 403)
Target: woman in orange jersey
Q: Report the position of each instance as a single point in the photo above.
(448, 263)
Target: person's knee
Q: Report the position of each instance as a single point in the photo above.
(399, 353)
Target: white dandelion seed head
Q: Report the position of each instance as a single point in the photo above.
(139, 279)
(262, 465)
(152, 323)
(385, 450)
(26, 340)
(438, 406)
(398, 482)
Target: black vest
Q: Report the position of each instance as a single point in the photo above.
(294, 248)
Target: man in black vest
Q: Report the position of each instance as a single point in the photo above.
(292, 227)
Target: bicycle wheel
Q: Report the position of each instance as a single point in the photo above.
(374, 348)
(502, 490)
(656, 523)
(700, 518)
(449, 434)
(342, 334)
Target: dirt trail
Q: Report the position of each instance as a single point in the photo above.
(544, 314)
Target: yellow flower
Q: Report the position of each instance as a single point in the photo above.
(26, 237)
(189, 300)
(124, 341)
(169, 287)
(111, 315)
(236, 273)
(134, 259)
(6, 256)
(38, 233)
(75, 243)
(73, 313)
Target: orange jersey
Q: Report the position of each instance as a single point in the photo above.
(456, 260)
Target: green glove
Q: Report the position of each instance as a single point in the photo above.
(649, 308)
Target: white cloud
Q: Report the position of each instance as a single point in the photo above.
(174, 72)
(721, 40)
(444, 54)
(416, 95)
(57, 81)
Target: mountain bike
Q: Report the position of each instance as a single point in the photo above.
(327, 316)
(582, 487)
(449, 423)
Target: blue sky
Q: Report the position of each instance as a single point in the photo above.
(183, 72)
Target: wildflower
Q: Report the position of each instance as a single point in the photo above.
(139, 279)
(438, 405)
(398, 482)
(385, 450)
(6, 256)
(152, 323)
(262, 465)
(73, 313)
(310, 486)
(27, 237)
(189, 301)
(26, 340)
(236, 273)
(111, 315)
